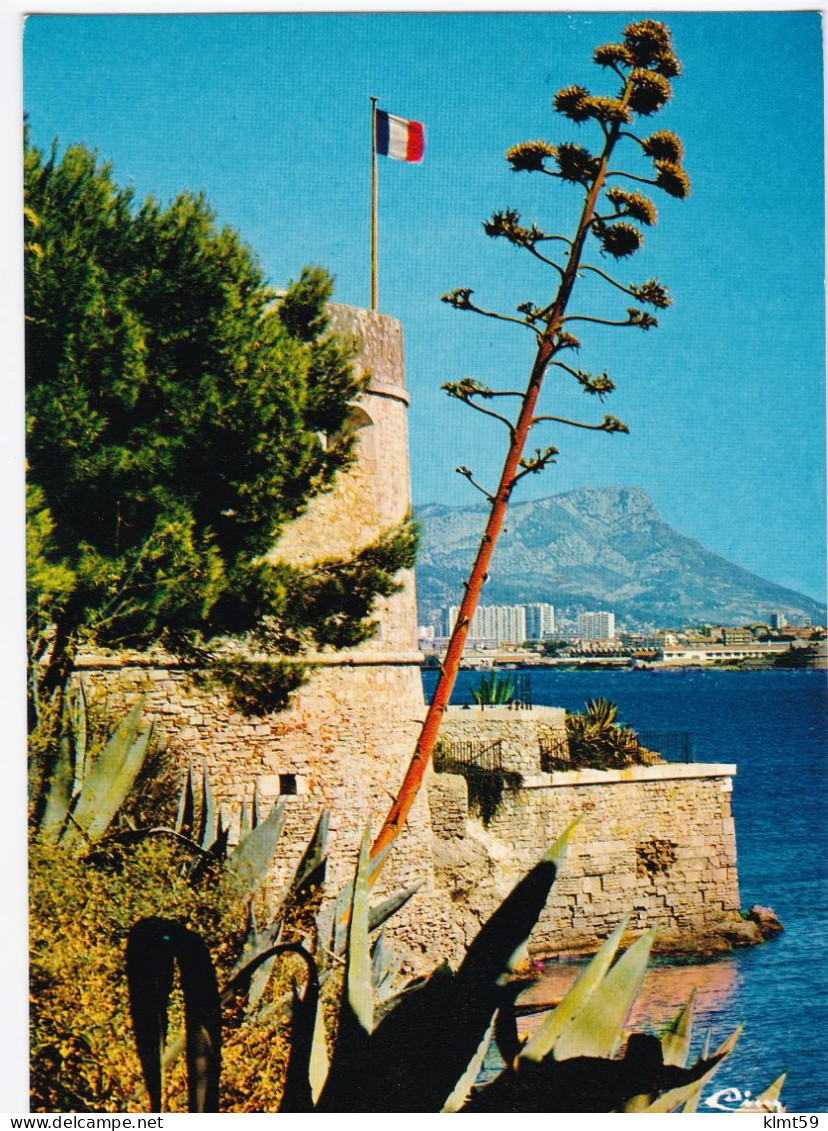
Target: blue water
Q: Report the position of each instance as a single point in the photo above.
(773, 726)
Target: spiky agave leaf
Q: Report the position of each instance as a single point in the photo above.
(555, 1022)
(463, 1087)
(651, 292)
(80, 734)
(612, 55)
(422, 1048)
(109, 780)
(650, 91)
(619, 239)
(607, 110)
(647, 41)
(641, 318)
(383, 911)
(359, 994)
(675, 1040)
(769, 1099)
(297, 1096)
(592, 1084)
(349, 1075)
(154, 946)
(596, 1029)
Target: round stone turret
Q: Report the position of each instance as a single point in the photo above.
(374, 495)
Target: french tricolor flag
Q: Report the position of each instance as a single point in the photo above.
(399, 138)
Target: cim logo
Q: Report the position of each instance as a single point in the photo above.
(733, 1099)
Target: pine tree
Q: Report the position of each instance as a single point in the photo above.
(179, 416)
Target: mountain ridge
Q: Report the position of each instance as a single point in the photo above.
(593, 548)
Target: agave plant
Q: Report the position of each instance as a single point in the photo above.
(419, 1046)
(597, 740)
(497, 691)
(80, 797)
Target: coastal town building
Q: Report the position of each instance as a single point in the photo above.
(540, 621)
(689, 654)
(596, 626)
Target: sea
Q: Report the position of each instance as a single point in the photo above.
(772, 724)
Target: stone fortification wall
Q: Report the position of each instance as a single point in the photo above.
(343, 744)
(520, 735)
(659, 845)
(655, 842)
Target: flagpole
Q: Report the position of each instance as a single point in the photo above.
(373, 202)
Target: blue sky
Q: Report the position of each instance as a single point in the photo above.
(269, 115)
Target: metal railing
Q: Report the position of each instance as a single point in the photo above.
(554, 753)
(669, 745)
(521, 690)
(672, 745)
(484, 755)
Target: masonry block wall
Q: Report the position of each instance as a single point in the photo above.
(656, 843)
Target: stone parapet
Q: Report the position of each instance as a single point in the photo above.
(522, 734)
(655, 843)
(664, 771)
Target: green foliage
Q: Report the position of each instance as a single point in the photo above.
(421, 1049)
(486, 785)
(179, 415)
(596, 741)
(497, 691)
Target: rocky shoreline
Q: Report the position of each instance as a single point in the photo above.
(756, 925)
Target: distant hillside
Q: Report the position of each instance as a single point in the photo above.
(596, 548)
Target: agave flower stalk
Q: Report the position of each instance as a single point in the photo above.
(644, 62)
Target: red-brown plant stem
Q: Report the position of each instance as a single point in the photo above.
(426, 742)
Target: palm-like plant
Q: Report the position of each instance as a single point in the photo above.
(596, 740)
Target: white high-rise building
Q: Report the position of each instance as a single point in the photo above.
(540, 621)
(495, 624)
(596, 626)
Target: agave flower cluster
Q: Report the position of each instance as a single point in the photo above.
(615, 212)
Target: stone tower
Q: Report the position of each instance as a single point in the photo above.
(375, 494)
(345, 740)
